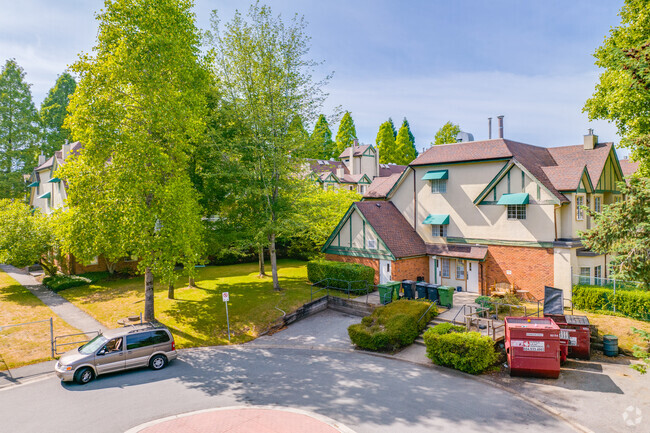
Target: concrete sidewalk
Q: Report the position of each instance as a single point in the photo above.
(61, 307)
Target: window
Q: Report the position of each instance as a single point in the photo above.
(439, 186)
(362, 189)
(444, 268)
(136, 341)
(618, 198)
(439, 230)
(94, 261)
(580, 213)
(585, 276)
(460, 269)
(371, 244)
(160, 337)
(516, 211)
(597, 203)
(598, 273)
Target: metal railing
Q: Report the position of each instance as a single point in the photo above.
(50, 320)
(609, 283)
(428, 309)
(326, 285)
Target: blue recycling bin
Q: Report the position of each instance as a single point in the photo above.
(432, 292)
(422, 289)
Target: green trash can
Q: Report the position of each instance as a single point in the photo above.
(385, 293)
(446, 295)
(395, 286)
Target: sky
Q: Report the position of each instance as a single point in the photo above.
(429, 61)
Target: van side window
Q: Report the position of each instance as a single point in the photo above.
(138, 340)
(160, 337)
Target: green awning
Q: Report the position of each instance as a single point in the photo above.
(46, 195)
(518, 198)
(33, 184)
(439, 220)
(436, 175)
(54, 180)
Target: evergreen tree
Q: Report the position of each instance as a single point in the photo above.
(386, 143)
(392, 126)
(19, 130)
(321, 139)
(447, 133)
(346, 134)
(53, 112)
(405, 150)
(411, 136)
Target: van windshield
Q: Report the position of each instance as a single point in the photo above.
(93, 345)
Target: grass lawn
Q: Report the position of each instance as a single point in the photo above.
(197, 317)
(30, 343)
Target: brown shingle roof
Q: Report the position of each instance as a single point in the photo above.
(629, 167)
(321, 165)
(381, 186)
(390, 169)
(391, 226)
(358, 150)
(569, 156)
(476, 252)
(564, 178)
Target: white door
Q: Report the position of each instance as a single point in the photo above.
(472, 276)
(433, 270)
(384, 271)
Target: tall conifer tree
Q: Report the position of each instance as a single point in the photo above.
(346, 134)
(53, 112)
(386, 143)
(321, 138)
(411, 136)
(405, 150)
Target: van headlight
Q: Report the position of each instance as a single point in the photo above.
(65, 367)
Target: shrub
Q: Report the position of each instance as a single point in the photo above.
(484, 301)
(95, 277)
(631, 303)
(341, 272)
(465, 351)
(392, 326)
(62, 282)
(445, 328)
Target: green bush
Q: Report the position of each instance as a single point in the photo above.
(95, 277)
(392, 326)
(340, 272)
(445, 328)
(484, 301)
(465, 351)
(62, 282)
(631, 303)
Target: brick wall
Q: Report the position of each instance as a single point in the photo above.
(75, 267)
(410, 269)
(373, 263)
(531, 268)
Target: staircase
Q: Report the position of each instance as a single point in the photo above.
(499, 334)
(431, 324)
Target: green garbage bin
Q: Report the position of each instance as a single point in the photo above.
(385, 293)
(395, 286)
(446, 295)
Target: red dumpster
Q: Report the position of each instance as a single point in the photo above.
(579, 336)
(564, 345)
(533, 346)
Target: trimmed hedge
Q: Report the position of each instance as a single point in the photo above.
(392, 326)
(62, 282)
(363, 276)
(465, 351)
(445, 328)
(630, 303)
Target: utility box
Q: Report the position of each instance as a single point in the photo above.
(533, 346)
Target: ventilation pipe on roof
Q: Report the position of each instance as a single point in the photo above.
(489, 128)
(500, 126)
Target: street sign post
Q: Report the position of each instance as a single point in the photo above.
(226, 297)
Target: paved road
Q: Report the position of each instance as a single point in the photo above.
(366, 393)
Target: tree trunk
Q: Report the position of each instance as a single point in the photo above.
(191, 282)
(170, 290)
(148, 295)
(260, 255)
(110, 266)
(48, 268)
(274, 263)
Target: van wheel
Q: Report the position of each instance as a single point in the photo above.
(158, 362)
(84, 375)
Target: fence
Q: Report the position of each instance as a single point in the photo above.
(326, 286)
(51, 322)
(610, 283)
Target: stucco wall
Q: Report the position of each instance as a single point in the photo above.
(357, 224)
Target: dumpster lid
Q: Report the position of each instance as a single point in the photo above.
(576, 320)
(553, 302)
(531, 322)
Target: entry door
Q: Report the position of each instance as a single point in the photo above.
(384, 271)
(472, 276)
(434, 272)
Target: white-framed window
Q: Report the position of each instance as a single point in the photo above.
(444, 268)
(598, 274)
(598, 203)
(439, 230)
(94, 261)
(439, 186)
(617, 198)
(362, 189)
(516, 211)
(371, 244)
(460, 269)
(580, 213)
(585, 276)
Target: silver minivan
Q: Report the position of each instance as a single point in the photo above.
(142, 345)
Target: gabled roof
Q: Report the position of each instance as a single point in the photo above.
(390, 169)
(381, 186)
(393, 229)
(629, 167)
(322, 165)
(566, 178)
(355, 178)
(594, 159)
(47, 164)
(358, 150)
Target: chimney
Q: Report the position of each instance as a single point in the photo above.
(489, 128)
(340, 171)
(590, 140)
(65, 150)
(41, 159)
(500, 118)
(355, 142)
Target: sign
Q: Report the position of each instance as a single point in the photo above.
(225, 296)
(573, 341)
(529, 346)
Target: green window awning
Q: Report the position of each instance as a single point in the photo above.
(46, 195)
(439, 220)
(33, 184)
(436, 175)
(54, 180)
(518, 198)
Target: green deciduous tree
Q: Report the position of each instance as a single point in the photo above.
(623, 91)
(623, 229)
(346, 134)
(266, 76)
(19, 130)
(321, 138)
(25, 237)
(386, 143)
(447, 134)
(139, 108)
(53, 112)
(405, 149)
